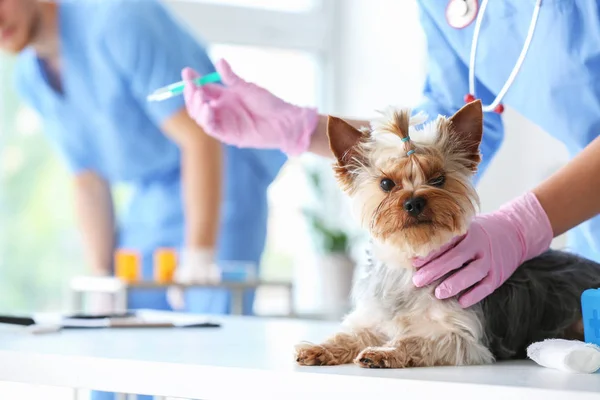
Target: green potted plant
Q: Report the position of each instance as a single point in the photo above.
(332, 244)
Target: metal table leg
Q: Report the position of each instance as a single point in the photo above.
(292, 308)
(237, 301)
(76, 301)
(120, 301)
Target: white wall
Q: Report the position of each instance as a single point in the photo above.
(382, 59)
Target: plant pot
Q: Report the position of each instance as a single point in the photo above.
(335, 277)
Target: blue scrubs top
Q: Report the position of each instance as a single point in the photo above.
(114, 53)
(557, 87)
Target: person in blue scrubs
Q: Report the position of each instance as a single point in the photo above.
(87, 67)
(556, 87)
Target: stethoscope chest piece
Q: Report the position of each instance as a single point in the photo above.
(460, 13)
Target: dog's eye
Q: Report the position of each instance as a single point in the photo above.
(387, 184)
(438, 182)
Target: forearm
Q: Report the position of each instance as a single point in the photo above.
(572, 195)
(319, 144)
(95, 218)
(201, 186)
(201, 169)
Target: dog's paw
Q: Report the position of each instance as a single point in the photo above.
(378, 357)
(310, 354)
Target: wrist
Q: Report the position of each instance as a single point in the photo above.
(190, 256)
(101, 267)
(532, 224)
(308, 120)
(100, 272)
(197, 265)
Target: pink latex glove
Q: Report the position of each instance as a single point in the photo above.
(495, 245)
(243, 114)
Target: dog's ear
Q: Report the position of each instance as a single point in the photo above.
(343, 138)
(464, 133)
(344, 142)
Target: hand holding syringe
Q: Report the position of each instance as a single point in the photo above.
(176, 89)
(246, 115)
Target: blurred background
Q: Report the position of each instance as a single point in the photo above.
(346, 57)
(309, 52)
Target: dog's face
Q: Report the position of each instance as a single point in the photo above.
(411, 188)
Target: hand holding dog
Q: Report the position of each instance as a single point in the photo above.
(495, 245)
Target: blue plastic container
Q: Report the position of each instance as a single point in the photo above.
(590, 306)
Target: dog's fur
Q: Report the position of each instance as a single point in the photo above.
(396, 325)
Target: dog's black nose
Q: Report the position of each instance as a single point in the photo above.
(414, 206)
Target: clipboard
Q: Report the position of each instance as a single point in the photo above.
(130, 322)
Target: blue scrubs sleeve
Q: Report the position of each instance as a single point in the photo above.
(446, 85)
(150, 48)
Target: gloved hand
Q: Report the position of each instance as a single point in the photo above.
(243, 114)
(194, 266)
(495, 245)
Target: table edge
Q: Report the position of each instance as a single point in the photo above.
(151, 377)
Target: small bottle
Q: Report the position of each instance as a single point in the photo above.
(590, 307)
(165, 263)
(127, 265)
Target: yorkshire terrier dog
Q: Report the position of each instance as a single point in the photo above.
(412, 189)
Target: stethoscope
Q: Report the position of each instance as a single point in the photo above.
(459, 14)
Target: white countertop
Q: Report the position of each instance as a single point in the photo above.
(254, 358)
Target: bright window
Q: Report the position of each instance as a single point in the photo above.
(279, 5)
(39, 246)
(292, 75)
